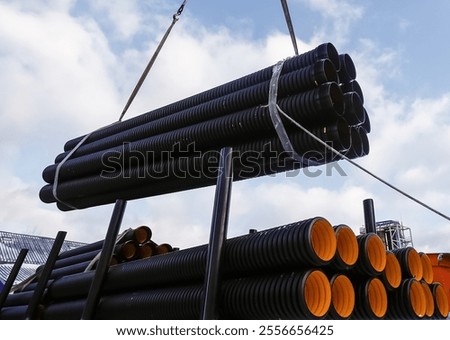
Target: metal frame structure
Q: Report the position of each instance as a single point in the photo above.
(394, 234)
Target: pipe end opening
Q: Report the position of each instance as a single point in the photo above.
(347, 245)
(342, 296)
(428, 298)
(376, 253)
(377, 298)
(317, 293)
(440, 300)
(417, 299)
(323, 240)
(428, 274)
(414, 264)
(393, 271)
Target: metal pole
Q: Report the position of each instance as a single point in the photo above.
(369, 216)
(104, 261)
(218, 234)
(44, 276)
(12, 276)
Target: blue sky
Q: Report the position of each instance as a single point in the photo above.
(69, 66)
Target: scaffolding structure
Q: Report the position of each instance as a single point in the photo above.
(394, 234)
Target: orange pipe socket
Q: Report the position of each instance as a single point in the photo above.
(342, 297)
(392, 273)
(346, 249)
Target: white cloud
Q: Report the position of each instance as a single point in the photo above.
(61, 77)
(338, 15)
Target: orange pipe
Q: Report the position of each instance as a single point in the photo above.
(346, 248)
(342, 297)
(427, 268)
(392, 273)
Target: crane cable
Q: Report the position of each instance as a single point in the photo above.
(294, 44)
(287, 16)
(175, 18)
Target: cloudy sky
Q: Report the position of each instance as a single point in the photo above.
(67, 67)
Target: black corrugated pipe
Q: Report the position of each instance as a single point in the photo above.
(371, 299)
(81, 250)
(71, 269)
(408, 301)
(251, 160)
(441, 306)
(323, 51)
(371, 257)
(392, 273)
(126, 251)
(292, 83)
(354, 110)
(304, 295)
(410, 262)
(20, 299)
(346, 249)
(353, 86)
(342, 297)
(347, 71)
(320, 107)
(429, 299)
(68, 261)
(146, 249)
(427, 272)
(13, 313)
(366, 125)
(357, 148)
(364, 140)
(142, 234)
(302, 244)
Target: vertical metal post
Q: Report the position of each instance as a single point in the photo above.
(104, 261)
(44, 276)
(12, 276)
(218, 234)
(369, 216)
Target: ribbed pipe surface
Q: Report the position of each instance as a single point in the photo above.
(347, 71)
(410, 262)
(304, 295)
(408, 301)
(371, 299)
(429, 299)
(250, 160)
(342, 297)
(295, 296)
(320, 105)
(346, 248)
(427, 273)
(441, 309)
(323, 51)
(303, 244)
(289, 84)
(392, 273)
(372, 255)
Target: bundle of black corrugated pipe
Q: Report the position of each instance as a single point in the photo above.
(131, 245)
(304, 270)
(176, 147)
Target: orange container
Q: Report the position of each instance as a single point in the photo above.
(441, 270)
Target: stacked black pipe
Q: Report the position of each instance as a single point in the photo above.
(176, 147)
(281, 266)
(133, 244)
(303, 270)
